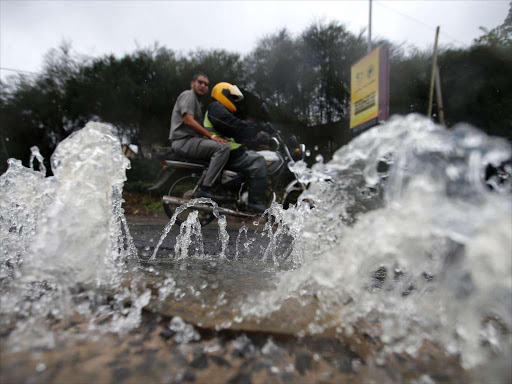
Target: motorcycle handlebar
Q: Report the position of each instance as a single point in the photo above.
(268, 128)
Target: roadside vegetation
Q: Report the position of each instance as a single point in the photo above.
(304, 80)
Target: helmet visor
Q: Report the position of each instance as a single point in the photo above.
(236, 94)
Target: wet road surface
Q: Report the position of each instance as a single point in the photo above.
(206, 294)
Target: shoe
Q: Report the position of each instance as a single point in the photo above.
(257, 208)
(208, 193)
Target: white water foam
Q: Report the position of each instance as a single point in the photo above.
(404, 232)
(63, 233)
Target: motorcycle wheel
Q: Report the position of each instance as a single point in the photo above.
(184, 188)
(291, 198)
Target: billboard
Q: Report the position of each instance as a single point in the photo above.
(369, 90)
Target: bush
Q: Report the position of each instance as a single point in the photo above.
(143, 171)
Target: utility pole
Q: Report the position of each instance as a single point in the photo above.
(439, 97)
(433, 76)
(370, 29)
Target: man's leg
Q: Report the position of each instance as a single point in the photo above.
(254, 167)
(204, 149)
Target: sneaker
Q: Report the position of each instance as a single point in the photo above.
(208, 193)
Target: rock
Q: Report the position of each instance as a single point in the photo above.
(189, 376)
(221, 362)
(200, 362)
(241, 378)
(303, 362)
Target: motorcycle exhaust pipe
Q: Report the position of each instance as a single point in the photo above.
(177, 201)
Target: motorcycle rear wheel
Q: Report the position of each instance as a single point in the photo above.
(184, 188)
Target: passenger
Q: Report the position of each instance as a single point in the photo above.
(221, 120)
(191, 140)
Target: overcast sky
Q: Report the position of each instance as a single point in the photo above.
(28, 29)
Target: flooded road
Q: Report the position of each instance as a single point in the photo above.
(191, 332)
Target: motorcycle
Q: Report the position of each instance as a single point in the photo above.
(180, 178)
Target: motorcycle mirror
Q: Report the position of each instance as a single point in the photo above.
(292, 142)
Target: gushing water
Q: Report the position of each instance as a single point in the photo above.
(405, 233)
(178, 211)
(191, 227)
(64, 231)
(398, 230)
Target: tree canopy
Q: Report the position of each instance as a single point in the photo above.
(303, 79)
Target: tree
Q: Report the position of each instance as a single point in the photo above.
(501, 36)
(34, 110)
(477, 88)
(273, 73)
(328, 53)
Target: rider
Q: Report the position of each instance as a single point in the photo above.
(221, 120)
(190, 139)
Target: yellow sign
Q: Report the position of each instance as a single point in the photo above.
(364, 89)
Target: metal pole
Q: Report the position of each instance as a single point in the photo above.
(439, 97)
(370, 29)
(432, 78)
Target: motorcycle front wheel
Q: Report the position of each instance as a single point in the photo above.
(184, 188)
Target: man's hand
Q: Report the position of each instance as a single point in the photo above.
(219, 139)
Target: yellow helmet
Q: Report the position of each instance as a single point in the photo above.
(227, 94)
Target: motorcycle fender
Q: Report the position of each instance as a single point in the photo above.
(293, 186)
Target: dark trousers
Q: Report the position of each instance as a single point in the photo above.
(253, 166)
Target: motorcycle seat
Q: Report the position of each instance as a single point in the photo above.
(170, 155)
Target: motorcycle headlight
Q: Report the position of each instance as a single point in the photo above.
(302, 150)
(297, 153)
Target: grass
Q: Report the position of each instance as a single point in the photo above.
(142, 204)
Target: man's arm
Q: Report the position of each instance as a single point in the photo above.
(189, 120)
(229, 125)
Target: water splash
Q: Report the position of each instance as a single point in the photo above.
(246, 245)
(64, 234)
(24, 196)
(398, 229)
(35, 154)
(223, 236)
(184, 333)
(406, 233)
(178, 211)
(76, 241)
(189, 229)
